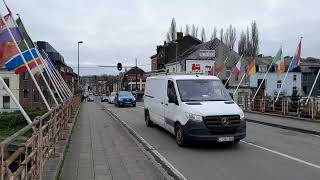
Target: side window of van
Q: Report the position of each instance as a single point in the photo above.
(171, 92)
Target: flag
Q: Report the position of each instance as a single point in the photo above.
(7, 50)
(279, 61)
(236, 70)
(220, 68)
(296, 58)
(252, 67)
(4, 30)
(16, 63)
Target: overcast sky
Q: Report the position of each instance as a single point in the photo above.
(122, 30)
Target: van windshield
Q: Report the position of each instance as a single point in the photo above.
(202, 90)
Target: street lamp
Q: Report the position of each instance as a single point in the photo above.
(79, 42)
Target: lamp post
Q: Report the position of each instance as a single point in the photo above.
(79, 42)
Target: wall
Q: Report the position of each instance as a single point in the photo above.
(14, 87)
(271, 83)
(173, 67)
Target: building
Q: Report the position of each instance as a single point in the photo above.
(309, 68)
(12, 81)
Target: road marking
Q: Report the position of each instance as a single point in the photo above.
(283, 155)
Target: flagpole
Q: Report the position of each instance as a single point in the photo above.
(57, 74)
(49, 75)
(264, 77)
(314, 83)
(40, 70)
(25, 115)
(230, 74)
(26, 64)
(239, 84)
(61, 90)
(60, 84)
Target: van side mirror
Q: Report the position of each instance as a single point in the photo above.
(174, 100)
(231, 94)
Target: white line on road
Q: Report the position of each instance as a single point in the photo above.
(283, 155)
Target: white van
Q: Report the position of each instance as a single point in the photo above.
(193, 107)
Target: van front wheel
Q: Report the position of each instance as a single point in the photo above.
(180, 140)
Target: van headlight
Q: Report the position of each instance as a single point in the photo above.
(242, 116)
(193, 117)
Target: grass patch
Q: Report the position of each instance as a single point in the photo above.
(13, 122)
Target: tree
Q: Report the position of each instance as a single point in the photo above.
(181, 29)
(242, 43)
(173, 30)
(203, 35)
(214, 33)
(193, 30)
(231, 36)
(254, 38)
(221, 34)
(168, 37)
(248, 46)
(187, 30)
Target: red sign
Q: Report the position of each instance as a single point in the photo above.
(195, 67)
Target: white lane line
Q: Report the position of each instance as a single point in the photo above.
(283, 155)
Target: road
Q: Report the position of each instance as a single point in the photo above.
(267, 152)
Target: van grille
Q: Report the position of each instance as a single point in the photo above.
(215, 122)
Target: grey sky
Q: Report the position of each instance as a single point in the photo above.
(120, 30)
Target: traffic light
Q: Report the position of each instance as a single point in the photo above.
(119, 66)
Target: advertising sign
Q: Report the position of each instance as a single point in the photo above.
(201, 66)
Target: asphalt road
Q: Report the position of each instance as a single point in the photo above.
(267, 152)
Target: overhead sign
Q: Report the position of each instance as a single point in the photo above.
(207, 53)
(202, 66)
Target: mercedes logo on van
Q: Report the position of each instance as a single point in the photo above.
(225, 121)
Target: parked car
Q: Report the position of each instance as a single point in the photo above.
(104, 98)
(90, 98)
(124, 98)
(111, 97)
(193, 107)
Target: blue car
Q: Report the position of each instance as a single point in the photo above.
(124, 98)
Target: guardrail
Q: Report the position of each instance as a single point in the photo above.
(26, 160)
(286, 106)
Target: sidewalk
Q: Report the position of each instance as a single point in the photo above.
(311, 127)
(101, 149)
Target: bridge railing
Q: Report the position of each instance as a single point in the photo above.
(286, 106)
(25, 160)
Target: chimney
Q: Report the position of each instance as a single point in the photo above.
(179, 35)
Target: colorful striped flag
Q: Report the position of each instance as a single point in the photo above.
(296, 58)
(252, 67)
(220, 68)
(279, 61)
(236, 70)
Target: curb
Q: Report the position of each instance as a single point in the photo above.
(65, 148)
(285, 127)
(166, 165)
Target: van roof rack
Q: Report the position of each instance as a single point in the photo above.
(166, 72)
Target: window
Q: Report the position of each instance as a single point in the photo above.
(7, 81)
(278, 84)
(305, 78)
(263, 68)
(263, 83)
(26, 75)
(6, 102)
(171, 92)
(35, 96)
(25, 93)
(305, 89)
(173, 69)
(294, 77)
(294, 91)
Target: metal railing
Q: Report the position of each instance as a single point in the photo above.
(286, 106)
(25, 160)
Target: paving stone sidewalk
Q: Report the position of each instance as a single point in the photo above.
(100, 149)
(285, 121)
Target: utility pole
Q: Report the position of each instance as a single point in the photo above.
(136, 71)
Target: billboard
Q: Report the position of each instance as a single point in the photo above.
(202, 66)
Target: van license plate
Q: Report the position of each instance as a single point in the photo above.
(224, 139)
